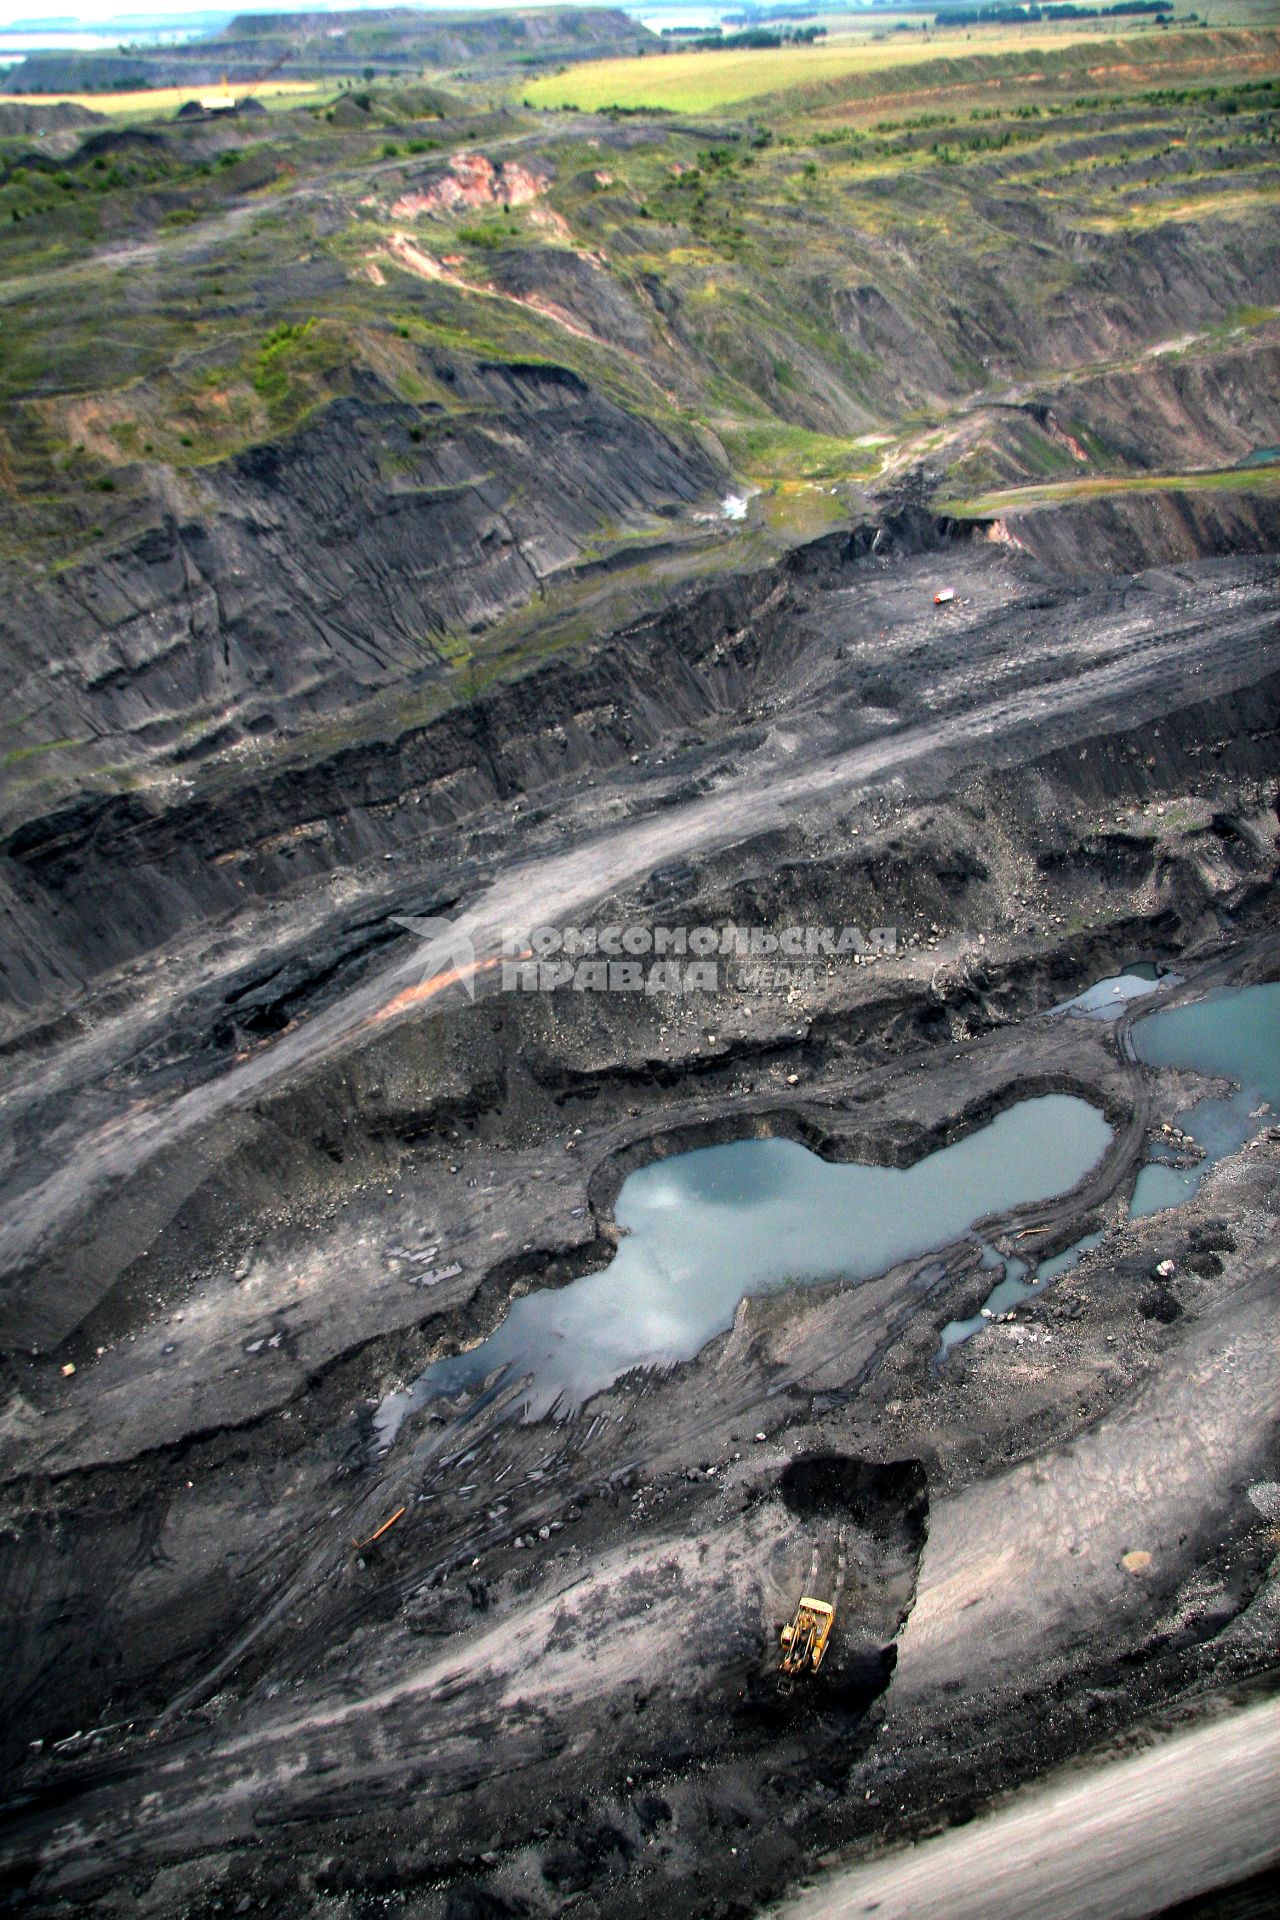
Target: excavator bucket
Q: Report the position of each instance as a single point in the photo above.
(804, 1639)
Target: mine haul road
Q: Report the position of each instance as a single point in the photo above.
(1126, 1840)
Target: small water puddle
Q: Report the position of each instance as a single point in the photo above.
(1232, 1034)
(703, 1229)
(1107, 999)
(1013, 1289)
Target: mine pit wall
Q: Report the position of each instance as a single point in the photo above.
(1124, 533)
(108, 878)
(1129, 292)
(1170, 415)
(1136, 289)
(301, 575)
(498, 1074)
(1174, 415)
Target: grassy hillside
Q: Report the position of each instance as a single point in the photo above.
(145, 103)
(948, 273)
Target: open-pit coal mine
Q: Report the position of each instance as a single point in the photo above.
(600, 1045)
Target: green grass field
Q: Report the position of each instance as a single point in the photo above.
(1057, 493)
(772, 450)
(702, 82)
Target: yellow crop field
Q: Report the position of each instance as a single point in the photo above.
(700, 82)
(167, 99)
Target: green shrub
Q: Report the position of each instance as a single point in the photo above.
(271, 371)
(490, 236)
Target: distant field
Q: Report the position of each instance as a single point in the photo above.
(701, 82)
(1260, 479)
(166, 99)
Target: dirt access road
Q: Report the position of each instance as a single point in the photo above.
(1201, 1810)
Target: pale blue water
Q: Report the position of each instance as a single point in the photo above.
(702, 1229)
(1107, 999)
(1013, 1289)
(1158, 1186)
(1050, 1270)
(1233, 1034)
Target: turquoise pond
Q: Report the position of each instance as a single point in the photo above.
(700, 1230)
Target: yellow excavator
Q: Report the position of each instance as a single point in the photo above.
(805, 1637)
